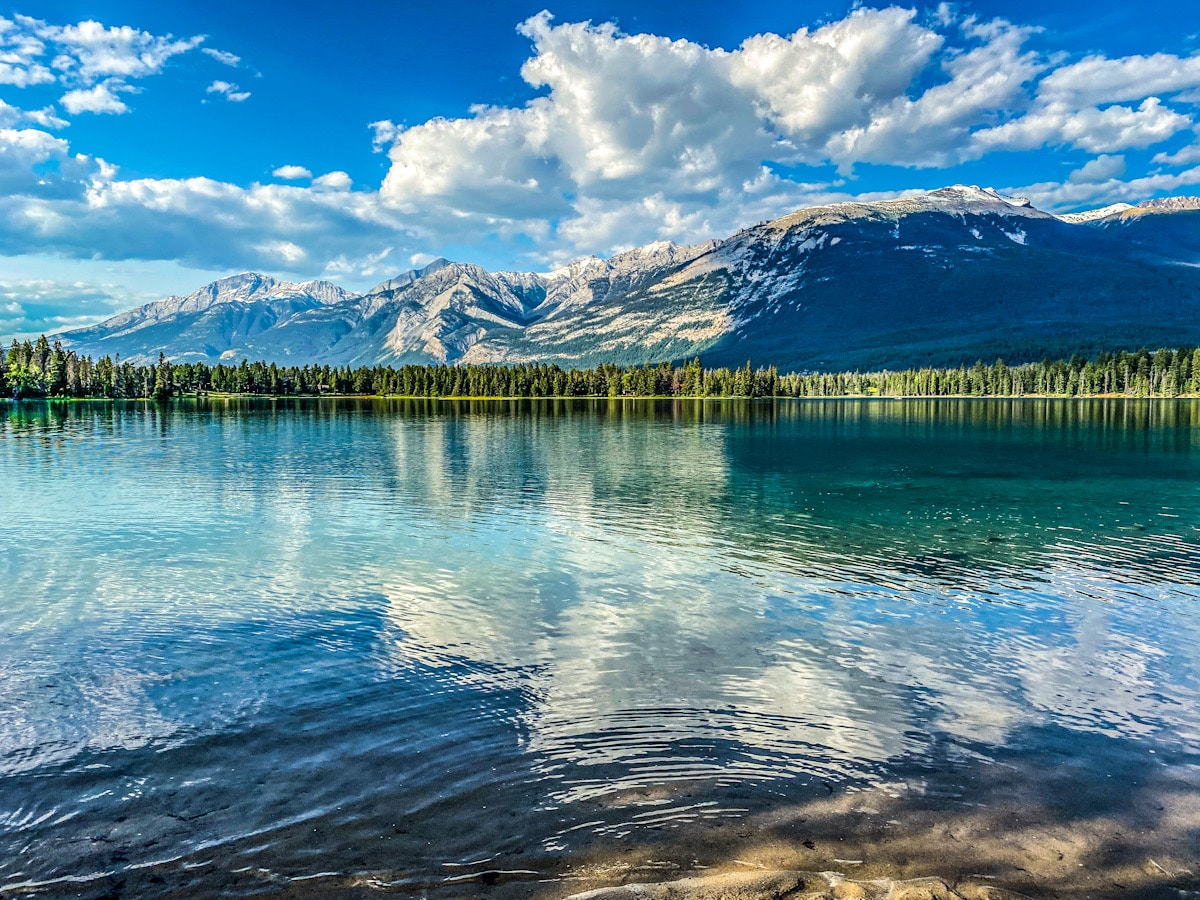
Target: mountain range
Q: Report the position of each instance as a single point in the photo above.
(958, 274)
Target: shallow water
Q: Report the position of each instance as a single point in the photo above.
(244, 644)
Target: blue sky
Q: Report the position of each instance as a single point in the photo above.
(146, 148)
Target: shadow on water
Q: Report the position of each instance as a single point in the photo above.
(353, 645)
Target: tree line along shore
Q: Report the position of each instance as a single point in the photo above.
(39, 369)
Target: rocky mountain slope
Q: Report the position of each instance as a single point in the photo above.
(945, 278)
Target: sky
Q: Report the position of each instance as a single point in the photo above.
(147, 148)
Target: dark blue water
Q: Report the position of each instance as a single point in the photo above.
(243, 645)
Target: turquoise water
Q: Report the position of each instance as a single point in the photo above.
(243, 644)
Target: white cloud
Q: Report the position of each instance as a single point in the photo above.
(385, 133)
(23, 76)
(46, 118)
(941, 126)
(1102, 168)
(650, 134)
(87, 211)
(1122, 127)
(1092, 129)
(641, 137)
(333, 181)
(23, 152)
(19, 55)
(287, 252)
(1184, 157)
(222, 56)
(228, 90)
(90, 51)
(635, 117)
(292, 173)
(837, 92)
(1097, 79)
(102, 98)
(33, 306)
(93, 62)
(1074, 195)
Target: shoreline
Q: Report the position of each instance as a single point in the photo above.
(214, 395)
(885, 843)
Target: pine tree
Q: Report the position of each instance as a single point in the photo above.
(163, 387)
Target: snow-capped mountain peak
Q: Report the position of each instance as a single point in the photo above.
(962, 199)
(956, 200)
(1171, 204)
(1121, 212)
(249, 287)
(1094, 215)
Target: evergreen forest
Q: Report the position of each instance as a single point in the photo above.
(39, 369)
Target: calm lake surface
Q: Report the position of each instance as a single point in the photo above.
(406, 645)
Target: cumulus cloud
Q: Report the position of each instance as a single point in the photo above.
(46, 118)
(292, 173)
(101, 98)
(655, 137)
(384, 134)
(1097, 79)
(1102, 168)
(333, 181)
(85, 210)
(631, 115)
(284, 252)
(1184, 157)
(20, 55)
(941, 126)
(90, 51)
(24, 153)
(229, 91)
(94, 62)
(641, 137)
(1092, 129)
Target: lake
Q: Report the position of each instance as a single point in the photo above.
(527, 648)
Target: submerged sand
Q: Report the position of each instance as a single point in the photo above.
(995, 832)
(868, 845)
(871, 845)
(798, 885)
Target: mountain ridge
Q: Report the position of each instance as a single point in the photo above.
(941, 277)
